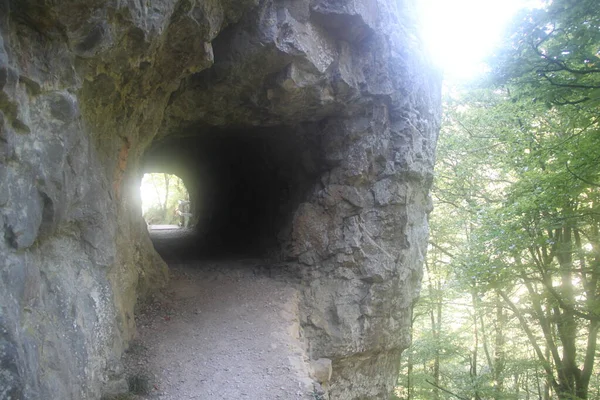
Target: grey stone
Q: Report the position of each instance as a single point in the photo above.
(341, 93)
(321, 370)
(63, 107)
(3, 76)
(3, 186)
(92, 38)
(23, 216)
(11, 382)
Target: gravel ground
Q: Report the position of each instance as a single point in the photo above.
(220, 331)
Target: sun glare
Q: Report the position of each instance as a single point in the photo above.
(149, 193)
(461, 33)
(162, 196)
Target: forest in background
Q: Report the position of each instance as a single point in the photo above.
(510, 301)
(160, 194)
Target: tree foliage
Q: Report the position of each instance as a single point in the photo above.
(515, 234)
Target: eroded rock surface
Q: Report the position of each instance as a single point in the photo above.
(87, 86)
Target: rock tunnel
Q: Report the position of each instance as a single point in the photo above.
(304, 130)
(245, 185)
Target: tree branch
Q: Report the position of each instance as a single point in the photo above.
(444, 251)
(580, 178)
(532, 340)
(566, 85)
(446, 390)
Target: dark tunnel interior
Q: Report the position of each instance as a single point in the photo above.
(244, 186)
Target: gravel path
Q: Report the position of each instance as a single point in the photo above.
(220, 331)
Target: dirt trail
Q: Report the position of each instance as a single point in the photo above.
(221, 331)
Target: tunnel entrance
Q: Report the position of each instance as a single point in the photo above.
(244, 186)
(165, 201)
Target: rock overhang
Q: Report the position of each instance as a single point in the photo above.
(111, 81)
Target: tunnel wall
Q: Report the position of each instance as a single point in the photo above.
(87, 86)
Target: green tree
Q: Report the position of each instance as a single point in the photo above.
(515, 232)
(551, 72)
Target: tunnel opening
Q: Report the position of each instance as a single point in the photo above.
(165, 201)
(244, 186)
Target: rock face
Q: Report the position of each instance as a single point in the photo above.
(340, 96)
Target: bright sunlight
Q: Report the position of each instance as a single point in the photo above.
(164, 199)
(461, 33)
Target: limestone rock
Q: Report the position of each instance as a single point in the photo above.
(338, 94)
(321, 370)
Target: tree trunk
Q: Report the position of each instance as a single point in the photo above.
(435, 315)
(499, 356)
(165, 203)
(568, 374)
(437, 332)
(547, 382)
(409, 361)
(409, 372)
(474, 353)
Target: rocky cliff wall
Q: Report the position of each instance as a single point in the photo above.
(87, 86)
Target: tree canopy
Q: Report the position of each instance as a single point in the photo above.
(510, 305)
